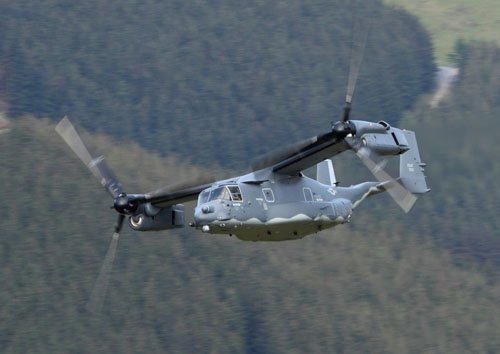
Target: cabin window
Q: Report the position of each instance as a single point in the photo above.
(268, 194)
(308, 197)
(235, 193)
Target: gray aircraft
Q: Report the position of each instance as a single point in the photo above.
(276, 201)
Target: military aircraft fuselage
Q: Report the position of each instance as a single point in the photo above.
(279, 208)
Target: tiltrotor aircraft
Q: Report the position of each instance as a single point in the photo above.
(276, 201)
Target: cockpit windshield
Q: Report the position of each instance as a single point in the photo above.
(203, 197)
(221, 193)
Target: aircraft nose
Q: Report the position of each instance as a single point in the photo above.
(204, 214)
(207, 209)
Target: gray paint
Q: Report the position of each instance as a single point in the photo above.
(300, 205)
(289, 216)
(325, 173)
(280, 203)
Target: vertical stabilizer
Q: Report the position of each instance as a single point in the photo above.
(411, 168)
(325, 173)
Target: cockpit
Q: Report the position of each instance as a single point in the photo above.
(228, 192)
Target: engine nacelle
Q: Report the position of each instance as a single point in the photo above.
(163, 219)
(390, 142)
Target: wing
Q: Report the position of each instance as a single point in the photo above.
(295, 158)
(177, 194)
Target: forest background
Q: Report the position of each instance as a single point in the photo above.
(168, 90)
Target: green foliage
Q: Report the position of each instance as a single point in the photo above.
(458, 141)
(450, 20)
(383, 283)
(219, 79)
(365, 287)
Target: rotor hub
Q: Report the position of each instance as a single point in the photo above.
(125, 204)
(342, 129)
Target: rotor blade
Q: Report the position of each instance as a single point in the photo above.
(194, 182)
(96, 165)
(179, 193)
(278, 155)
(99, 292)
(401, 195)
(359, 39)
(360, 28)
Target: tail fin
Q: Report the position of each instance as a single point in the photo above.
(411, 168)
(325, 173)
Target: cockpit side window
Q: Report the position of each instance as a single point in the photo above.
(235, 193)
(220, 193)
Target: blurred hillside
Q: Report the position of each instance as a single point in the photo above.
(386, 282)
(450, 20)
(457, 141)
(426, 281)
(219, 80)
(363, 287)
